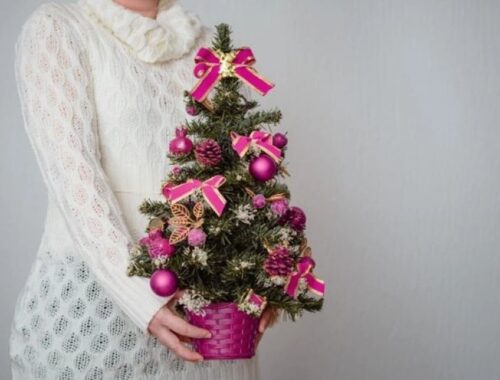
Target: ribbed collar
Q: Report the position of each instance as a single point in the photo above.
(171, 35)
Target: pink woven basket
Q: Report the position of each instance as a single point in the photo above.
(233, 332)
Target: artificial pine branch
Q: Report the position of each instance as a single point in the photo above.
(222, 40)
(154, 208)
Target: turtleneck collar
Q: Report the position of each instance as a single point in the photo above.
(169, 36)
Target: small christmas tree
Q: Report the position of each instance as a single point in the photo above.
(225, 232)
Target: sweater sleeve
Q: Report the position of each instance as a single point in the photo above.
(55, 88)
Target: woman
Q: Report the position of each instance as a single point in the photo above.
(101, 85)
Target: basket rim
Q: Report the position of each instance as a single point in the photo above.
(218, 305)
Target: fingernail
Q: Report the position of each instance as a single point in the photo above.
(208, 334)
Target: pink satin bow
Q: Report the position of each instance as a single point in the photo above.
(304, 268)
(263, 140)
(211, 66)
(209, 189)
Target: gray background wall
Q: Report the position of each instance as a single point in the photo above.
(392, 108)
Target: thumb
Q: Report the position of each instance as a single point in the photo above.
(173, 299)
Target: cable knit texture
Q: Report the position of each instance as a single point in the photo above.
(169, 36)
(101, 93)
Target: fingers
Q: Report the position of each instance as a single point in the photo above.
(258, 338)
(169, 339)
(264, 320)
(178, 294)
(263, 323)
(181, 327)
(184, 339)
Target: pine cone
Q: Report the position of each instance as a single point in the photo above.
(279, 262)
(208, 152)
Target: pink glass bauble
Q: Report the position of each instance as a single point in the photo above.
(263, 168)
(181, 144)
(280, 140)
(163, 282)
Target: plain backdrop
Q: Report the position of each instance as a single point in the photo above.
(392, 109)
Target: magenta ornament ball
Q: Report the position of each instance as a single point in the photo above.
(181, 144)
(280, 140)
(263, 168)
(163, 282)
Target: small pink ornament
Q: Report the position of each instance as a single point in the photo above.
(196, 237)
(163, 282)
(157, 245)
(259, 201)
(161, 248)
(176, 170)
(191, 110)
(151, 236)
(279, 262)
(280, 140)
(208, 152)
(263, 168)
(279, 207)
(181, 144)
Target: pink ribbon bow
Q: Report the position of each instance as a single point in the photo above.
(209, 189)
(304, 268)
(211, 66)
(263, 140)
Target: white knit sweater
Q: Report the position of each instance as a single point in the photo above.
(101, 91)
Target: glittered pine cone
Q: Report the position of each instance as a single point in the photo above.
(279, 262)
(208, 152)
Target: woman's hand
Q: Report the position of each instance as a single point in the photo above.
(267, 319)
(171, 330)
